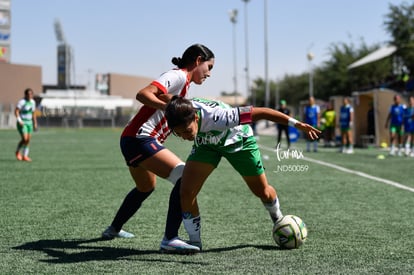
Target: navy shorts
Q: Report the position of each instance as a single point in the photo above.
(138, 149)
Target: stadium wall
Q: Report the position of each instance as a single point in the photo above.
(14, 79)
(126, 86)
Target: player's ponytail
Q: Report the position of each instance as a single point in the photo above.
(191, 54)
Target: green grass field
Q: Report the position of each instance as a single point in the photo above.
(54, 209)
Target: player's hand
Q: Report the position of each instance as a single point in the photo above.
(312, 132)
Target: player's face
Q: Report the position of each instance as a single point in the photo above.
(187, 132)
(397, 99)
(202, 71)
(29, 95)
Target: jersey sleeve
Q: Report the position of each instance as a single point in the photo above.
(20, 104)
(171, 82)
(220, 119)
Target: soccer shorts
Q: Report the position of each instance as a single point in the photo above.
(396, 129)
(26, 128)
(247, 161)
(138, 149)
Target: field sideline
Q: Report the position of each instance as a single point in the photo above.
(54, 209)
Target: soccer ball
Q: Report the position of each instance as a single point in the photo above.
(290, 232)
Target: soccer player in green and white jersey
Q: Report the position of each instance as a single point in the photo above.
(221, 131)
(26, 124)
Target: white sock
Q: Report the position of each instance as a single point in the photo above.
(26, 151)
(274, 210)
(193, 228)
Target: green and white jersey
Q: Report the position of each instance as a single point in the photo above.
(26, 109)
(221, 125)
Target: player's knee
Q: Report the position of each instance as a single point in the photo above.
(176, 173)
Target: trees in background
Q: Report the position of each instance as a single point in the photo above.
(333, 76)
(399, 24)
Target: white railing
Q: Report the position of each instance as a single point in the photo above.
(7, 120)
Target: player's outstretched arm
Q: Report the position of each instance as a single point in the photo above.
(259, 113)
(312, 132)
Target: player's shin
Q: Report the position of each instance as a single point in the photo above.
(129, 207)
(174, 213)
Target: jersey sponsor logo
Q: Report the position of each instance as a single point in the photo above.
(209, 139)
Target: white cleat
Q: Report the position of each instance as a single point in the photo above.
(178, 246)
(111, 233)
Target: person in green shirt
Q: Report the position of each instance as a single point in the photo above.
(221, 131)
(26, 124)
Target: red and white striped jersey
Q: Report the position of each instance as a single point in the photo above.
(152, 122)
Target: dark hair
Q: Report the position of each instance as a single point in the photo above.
(179, 111)
(26, 92)
(190, 56)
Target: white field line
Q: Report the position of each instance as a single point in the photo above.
(350, 171)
